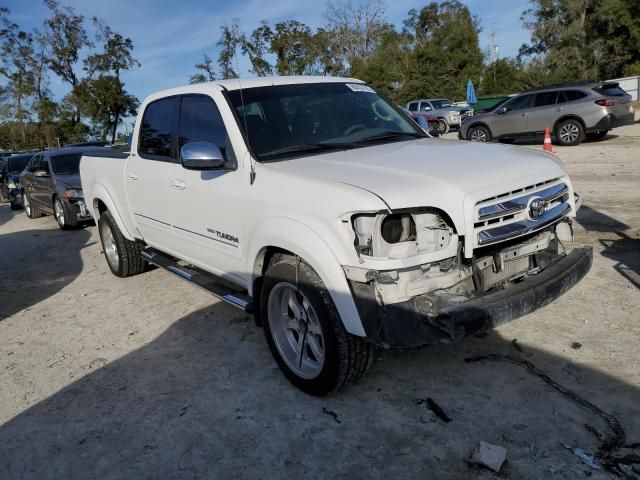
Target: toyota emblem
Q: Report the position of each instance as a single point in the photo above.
(537, 208)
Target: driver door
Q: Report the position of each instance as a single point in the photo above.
(515, 119)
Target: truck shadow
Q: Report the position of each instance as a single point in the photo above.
(36, 264)
(622, 247)
(205, 400)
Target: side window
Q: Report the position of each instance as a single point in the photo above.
(425, 107)
(571, 95)
(200, 121)
(520, 103)
(155, 132)
(34, 164)
(545, 98)
(413, 106)
(44, 165)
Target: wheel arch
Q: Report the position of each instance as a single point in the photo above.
(291, 237)
(569, 116)
(480, 124)
(100, 202)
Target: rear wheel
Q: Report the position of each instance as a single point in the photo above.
(304, 331)
(29, 209)
(123, 255)
(443, 126)
(597, 135)
(479, 134)
(569, 132)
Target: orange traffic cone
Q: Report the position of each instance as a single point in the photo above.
(547, 141)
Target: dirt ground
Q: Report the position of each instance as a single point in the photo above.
(148, 377)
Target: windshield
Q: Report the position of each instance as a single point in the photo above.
(67, 164)
(288, 120)
(441, 103)
(18, 163)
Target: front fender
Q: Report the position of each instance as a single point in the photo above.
(299, 239)
(99, 192)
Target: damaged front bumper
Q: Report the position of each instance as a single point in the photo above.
(420, 320)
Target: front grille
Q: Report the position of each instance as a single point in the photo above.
(520, 211)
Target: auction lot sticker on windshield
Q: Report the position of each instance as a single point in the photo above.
(359, 87)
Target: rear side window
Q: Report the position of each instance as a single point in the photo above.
(155, 132)
(570, 96)
(545, 98)
(611, 90)
(413, 106)
(425, 107)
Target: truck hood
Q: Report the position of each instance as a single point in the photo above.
(431, 172)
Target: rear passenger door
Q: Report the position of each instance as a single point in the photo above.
(206, 205)
(147, 172)
(42, 185)
(544, 113)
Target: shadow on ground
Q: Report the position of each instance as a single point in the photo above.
(624, 245)
(35, 264)
(205, 400)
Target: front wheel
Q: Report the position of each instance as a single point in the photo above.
(443, 126)
(479, 134)
(63, 215)
(304, 331)
(29, 209)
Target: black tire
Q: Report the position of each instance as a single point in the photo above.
(597, 135)
(14, 206)
(29, 209)
(569, 133)
(66, 219)
(128, 261)
(479, 133)
(346, 357)
(442, 126)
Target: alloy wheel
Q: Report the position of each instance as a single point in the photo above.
(109, 246)
(59, 212)
(27, 205)
(296, 330)
(478, 135)
(569, 133)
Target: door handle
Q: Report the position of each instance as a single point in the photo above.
(178, 184)
(559, 109)
(523, 114)
(133, 175)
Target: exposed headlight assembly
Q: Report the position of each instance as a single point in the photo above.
(402, 234)
(11, 185)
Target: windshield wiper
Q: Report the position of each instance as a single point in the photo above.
(389, 135)
(308, 147)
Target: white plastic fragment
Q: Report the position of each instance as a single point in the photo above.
(488, 455)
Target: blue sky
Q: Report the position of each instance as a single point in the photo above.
(171, 36)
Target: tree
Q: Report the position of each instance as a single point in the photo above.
(204, 71)
(256, 46)
(230, 40)
(447, 51)
(66, 36)
(106, 100)
(291, 43)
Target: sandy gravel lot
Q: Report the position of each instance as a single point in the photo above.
(149, 377)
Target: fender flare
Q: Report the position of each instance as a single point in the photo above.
(100, 193)
(299, 239)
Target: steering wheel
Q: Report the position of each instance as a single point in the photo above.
(374, 106)
(355, 128)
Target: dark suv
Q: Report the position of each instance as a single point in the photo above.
(571, 112)
(51, 184)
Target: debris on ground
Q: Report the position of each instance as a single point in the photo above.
(586, 458)
(434, 407)
(576, 345)
(331, 413)
(489, 456)
(516, 345)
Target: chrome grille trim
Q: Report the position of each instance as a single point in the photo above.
(515, 205)
(515, 229)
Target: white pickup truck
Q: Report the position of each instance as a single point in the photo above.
(317, 205)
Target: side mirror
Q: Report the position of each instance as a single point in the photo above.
(201, 156)
(502, 110)
(40, 174)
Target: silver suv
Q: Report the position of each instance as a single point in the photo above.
(448, 114)
(571, 112)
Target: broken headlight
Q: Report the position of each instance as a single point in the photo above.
(402, 234)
